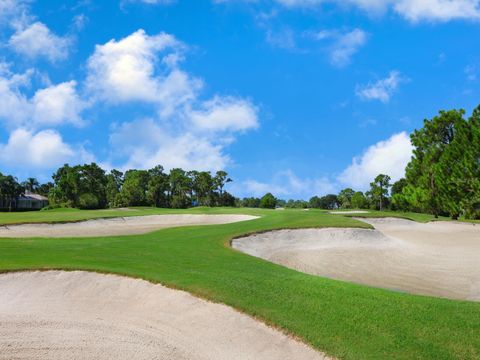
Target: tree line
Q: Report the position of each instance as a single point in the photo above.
(442, 178)
(90, 187)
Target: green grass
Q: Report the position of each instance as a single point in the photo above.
(399, 214)
(342, 319)
(70, 215)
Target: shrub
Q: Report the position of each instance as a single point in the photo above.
(268, 201)
(88, 201)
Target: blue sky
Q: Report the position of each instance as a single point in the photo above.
(297, 97)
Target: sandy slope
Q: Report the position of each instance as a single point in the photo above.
(437, 258)
(116, 226)
(81, 315)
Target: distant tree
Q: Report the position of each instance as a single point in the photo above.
(113, 187)
(345, 198)
(180, 186)
(31, 184)
(295, 204)
(315, 202)
(10, 189)
(204, 185)
(359, 201)
(423, 173)
(458, 170)
(268, 201)
(227, 199)
(220, 180)
(398, 198)
(329, 202)
(157, 187)
(44, 189)
(92, 181)
(134, 188)
(379, 189)
(251, 202)
(281, 203)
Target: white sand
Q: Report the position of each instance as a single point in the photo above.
(438, 258)
(116, 226)
(80, 315)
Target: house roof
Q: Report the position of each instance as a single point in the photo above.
(31, 196)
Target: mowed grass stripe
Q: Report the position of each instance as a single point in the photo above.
(342, 319)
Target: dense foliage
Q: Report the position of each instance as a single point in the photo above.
(443, 176)
(90, 187)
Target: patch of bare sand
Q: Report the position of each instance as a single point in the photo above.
(438, 258)
(81, 315)
(116, 226)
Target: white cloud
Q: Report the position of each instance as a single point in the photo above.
(188, 132)
(43, 150)
(36, 40)
(382, 89)
(388, 157)
(14, 106)
(146, 144)
(438, 10)
(128, 70)
(411, 10)
(224, 114)
(286, 184)
(344, 45)
(55, 105)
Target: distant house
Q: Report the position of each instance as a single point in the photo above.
(26, 201)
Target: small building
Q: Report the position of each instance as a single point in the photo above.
(30, 201)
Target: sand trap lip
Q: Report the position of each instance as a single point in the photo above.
(117, 226)
(438, 259)
(82, 315)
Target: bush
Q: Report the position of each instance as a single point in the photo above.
(88, 201)
(180, 202)
(268, 201)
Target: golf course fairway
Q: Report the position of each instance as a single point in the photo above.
(341, 319)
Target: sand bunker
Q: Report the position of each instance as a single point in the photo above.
(116, 226)
(80, 315)
(438, 258)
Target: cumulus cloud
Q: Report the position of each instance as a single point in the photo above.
(382, 89)
(224, 114)
(129, 70)
(36, 40)
(58, 104)
(147, 143)
(388, 157)
(14, 106)
(55, 105)
(286, 184)
(187, 131)
(43, 150)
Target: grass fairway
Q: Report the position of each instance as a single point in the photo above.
(344, 320)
